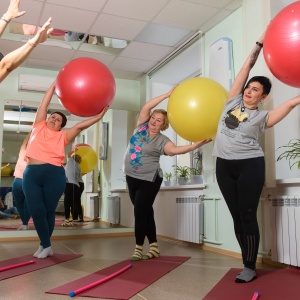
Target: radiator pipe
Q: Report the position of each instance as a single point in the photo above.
(215, 242)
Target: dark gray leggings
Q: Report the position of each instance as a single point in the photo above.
(142, 194)
(241, 183)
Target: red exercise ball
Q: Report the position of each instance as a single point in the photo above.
(282, 45)
(85, 86)
(79, 145)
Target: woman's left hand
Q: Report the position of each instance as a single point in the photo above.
(42, 34)
(201, 143)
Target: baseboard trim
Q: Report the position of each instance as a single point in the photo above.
(67, 237)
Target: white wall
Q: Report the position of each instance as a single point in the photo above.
(121, 125)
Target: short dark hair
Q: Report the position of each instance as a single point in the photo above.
(264, 81)
(64, 118)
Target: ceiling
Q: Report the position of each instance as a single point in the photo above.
(152, 30)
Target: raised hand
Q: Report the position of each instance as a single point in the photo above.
(13, 10)
(42, 34)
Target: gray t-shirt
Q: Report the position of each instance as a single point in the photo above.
(238, 131)
(72, 171)
(142, 156)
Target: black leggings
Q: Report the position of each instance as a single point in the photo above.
(142, 194)
(71, 191)
(241, 183)
(78, 213)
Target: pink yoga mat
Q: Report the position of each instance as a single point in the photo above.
(270, 284)
(126, 285)
(39, 264)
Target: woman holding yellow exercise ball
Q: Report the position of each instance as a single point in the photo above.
(143, 173)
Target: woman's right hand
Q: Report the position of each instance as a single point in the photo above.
(103, 111)
(170, 92)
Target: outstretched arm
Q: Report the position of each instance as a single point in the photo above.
(280, 112)
(15, 58)
(76, 129)
(242, 76)
(41, 113)
(171, 149)
(148, 106)
(5, 166)
(11, 13)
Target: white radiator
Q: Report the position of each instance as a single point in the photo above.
(113, 205)
(285, 220)
(190, 221)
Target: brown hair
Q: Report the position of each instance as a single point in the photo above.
(77, 158)
(166, 120)
(64, 118)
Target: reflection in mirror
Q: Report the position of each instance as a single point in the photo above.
(70, 39)
(17, 123)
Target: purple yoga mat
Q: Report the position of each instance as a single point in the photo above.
(39, 264)
(124, 286)
(271, 285)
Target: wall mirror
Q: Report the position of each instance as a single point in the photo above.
(69, 39)
(18, 118)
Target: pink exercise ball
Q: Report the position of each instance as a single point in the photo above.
(282, 45)
(84, 86)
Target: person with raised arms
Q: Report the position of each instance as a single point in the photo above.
(14, 59)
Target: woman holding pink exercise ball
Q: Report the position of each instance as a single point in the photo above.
(44, 178)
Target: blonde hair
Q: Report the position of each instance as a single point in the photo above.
(166, 123)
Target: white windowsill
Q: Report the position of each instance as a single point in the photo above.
(288, 181)
(171, 188)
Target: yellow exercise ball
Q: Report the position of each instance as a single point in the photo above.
(88, 158)
(195, 107)
(7, 170)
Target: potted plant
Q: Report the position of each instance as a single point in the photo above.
(196, 170)
(182, 173)
(292, 154)
(168, 176)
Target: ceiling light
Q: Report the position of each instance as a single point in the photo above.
(114, 43)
